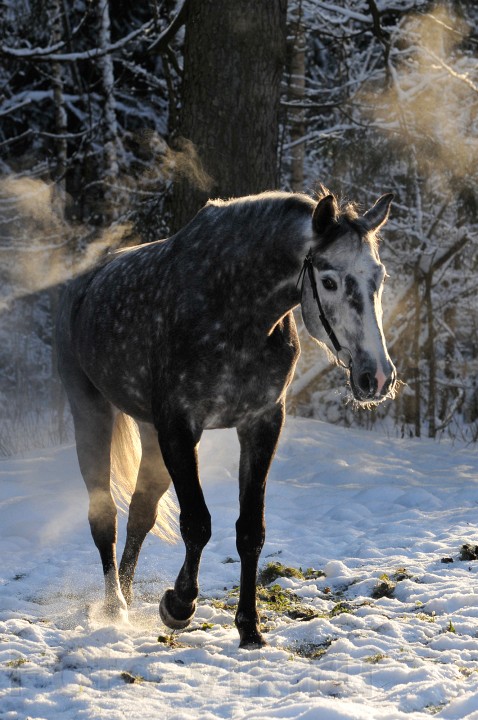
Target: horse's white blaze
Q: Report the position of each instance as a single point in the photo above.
(383, 361)
(374, 338)
(369, 339)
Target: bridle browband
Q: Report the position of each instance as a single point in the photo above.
(308, 269)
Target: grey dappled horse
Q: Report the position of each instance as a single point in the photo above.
(196, 332)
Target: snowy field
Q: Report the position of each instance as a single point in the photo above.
(388, 631)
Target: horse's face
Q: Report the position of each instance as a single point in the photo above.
(349, 278)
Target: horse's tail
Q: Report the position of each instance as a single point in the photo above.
(125, 459)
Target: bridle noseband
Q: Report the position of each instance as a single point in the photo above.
(308, 269)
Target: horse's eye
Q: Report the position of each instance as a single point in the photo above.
(329, 283)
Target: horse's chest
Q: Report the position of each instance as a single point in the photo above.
(246, 384)
(237, 393)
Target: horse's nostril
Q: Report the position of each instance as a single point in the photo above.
(367, 383)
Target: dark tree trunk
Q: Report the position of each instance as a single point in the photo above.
(297, 115)
(416, 358)
(430, 349)
(233, 61)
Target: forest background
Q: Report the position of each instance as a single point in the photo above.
(117, 121)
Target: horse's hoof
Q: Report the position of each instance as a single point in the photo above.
(252, 641)
(249, 633)
(127, 590)
(115, 613)
(174, 613)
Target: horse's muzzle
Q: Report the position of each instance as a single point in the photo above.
(370, 385)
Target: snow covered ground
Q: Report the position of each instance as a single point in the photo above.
(376, 515)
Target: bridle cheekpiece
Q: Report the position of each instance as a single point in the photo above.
(308, 269)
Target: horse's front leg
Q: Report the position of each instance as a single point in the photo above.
(258, 439)
(179, 447)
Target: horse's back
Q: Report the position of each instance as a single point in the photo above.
(192, 320)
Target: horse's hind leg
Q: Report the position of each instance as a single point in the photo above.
(93, 421)
(153, 481)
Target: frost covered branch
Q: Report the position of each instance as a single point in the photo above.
(50, 55)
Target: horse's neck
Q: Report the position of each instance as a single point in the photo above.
(257, 281)
(249, 266)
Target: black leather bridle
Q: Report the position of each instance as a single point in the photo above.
(308, 269)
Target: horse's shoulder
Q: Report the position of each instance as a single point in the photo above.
(284, 337)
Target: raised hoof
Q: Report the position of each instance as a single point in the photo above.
(174, 613)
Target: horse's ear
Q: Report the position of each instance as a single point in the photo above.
(325, 214)
(378, 214)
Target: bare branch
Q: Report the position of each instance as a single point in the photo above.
(378, 30)
(47, 55)
(14, 108)
(165, 37)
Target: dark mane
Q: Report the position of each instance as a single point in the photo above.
(271, 215)
(287, 208)
(273, 203)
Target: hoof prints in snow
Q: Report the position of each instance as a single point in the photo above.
(334, 649)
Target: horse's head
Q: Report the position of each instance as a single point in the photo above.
(342, 294)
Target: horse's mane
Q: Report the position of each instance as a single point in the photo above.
(272, 199)
(288, 206)
(268, 200)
